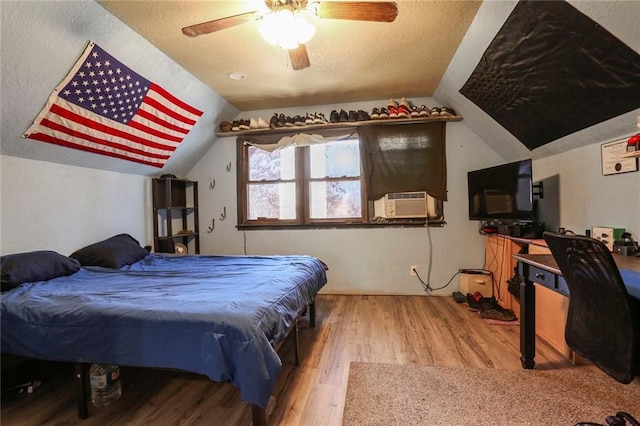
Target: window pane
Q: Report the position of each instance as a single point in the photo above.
(264, 165)
(272, 201)
(330, 200)
(335, 159)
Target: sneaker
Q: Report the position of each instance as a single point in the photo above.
(447, 112)
(403, 112)
(262, 123)
(298, 120)
(405, 102)
(253, 123)
(384, 114)
(393, 112)
(392, 103)
(235, 126)
(225, 126)
(498, 314)
(319, 118)
(415, 112)
(435, 112)
(333, 117)
(363, 115)
(343, 117)
(274, 121)
(289, 122)
(308, 120)
(282, 120)
(244, 124)
(375, 114)
(424, 111)
(474, 302)
(353, 116)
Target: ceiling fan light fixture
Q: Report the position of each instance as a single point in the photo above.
(286, 29)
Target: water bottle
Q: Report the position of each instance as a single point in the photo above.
(105, 384)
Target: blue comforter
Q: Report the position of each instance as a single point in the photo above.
(214, 315)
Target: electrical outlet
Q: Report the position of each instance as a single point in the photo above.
(413, 270)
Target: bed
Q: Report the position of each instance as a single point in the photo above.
(220, 316)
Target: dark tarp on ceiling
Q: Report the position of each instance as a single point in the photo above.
(551, 71)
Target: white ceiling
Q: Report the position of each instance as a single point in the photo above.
(350, 60)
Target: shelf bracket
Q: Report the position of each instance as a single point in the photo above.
(212, 183)
(212, 227)
(229, 167)
(223, 215)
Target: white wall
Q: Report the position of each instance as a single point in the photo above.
(49, 206)
(587, 198)
(370, 261)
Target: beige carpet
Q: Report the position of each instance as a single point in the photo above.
(389, 394)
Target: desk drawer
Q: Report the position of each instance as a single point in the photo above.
(548, 279)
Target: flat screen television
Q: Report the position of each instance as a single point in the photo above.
(502, 193)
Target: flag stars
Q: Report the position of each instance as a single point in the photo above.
(94, 54)
(92, 74)
(88, 64)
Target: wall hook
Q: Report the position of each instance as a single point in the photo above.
(212, 183)
(212, 227)
(223, 215)
(229, 167)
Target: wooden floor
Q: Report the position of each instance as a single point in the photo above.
(389, 329)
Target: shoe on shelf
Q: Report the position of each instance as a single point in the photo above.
(404, 102)
(235, 126)
(435, 112)
(384, 113)
(353, 116)
(375, 114)
(343, 117)
(308, 119)
(392, 103)
(282, 120)
(274, 121)
(363, 115)
(447, 112)
(415, 112)
(253, 123)
(393, 112)
(262, 123)
(319, 118)
(298, 120)
(403, 112)
(225, 126)
(244, 124)
(333, 117)
(424, 111)
(289, 122)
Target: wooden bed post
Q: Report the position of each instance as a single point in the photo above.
(82, 389)
(312, 314)
(258, 415)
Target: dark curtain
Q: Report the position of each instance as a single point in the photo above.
(409, 157)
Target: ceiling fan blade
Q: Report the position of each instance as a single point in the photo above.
(358, 10)
(220, 24)
(299, 58)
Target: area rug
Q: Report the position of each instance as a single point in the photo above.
(390, 394)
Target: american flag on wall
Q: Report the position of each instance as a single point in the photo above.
(106, 108)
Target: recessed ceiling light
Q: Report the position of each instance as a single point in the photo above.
(237, 75)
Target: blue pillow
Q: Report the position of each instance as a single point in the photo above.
(115, 252)
(34, 266)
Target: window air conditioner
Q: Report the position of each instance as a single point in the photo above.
(397, 205)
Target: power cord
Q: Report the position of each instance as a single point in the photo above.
(427, 285)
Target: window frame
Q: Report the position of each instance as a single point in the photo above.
(302, 181)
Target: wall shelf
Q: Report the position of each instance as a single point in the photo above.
(342, 125)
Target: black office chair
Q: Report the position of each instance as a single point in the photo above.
(603, 322)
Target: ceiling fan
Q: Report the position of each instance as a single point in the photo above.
(349, 10)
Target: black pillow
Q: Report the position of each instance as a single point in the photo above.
(115, 252)
(34, 266)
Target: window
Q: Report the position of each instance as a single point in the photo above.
(303, 185)
(377, 175)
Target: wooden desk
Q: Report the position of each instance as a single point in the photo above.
(543, 269)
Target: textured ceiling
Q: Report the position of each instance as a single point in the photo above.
(350, 60)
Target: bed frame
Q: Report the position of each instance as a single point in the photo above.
(258, 414)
